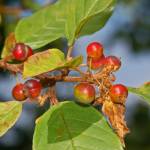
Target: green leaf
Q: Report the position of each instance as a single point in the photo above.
(9, 44)
(66, 18)
(9, 114)
(47, 61)
(69, 126)
(142, 91)
(74, 62)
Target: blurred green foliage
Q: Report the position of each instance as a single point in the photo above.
(137, 30)
(139, 125)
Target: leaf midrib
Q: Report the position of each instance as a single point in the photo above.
(67, 128)
(86, 18)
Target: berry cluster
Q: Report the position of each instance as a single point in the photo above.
(96, 60)
(30, 89)
(84, 92)
(21, 52)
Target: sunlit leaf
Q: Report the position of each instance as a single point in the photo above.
(9, 114)
(69, 126)
(47, 61)
(66, 18)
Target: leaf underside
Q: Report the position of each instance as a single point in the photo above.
(9, 114)
(142, 91)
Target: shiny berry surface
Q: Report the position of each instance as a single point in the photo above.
(113, 61)
(21, 52)
(32, 88)
(30, 51)
(95, 64)
(18, 92)
(94, 50)
(118, 93)
(84, 93)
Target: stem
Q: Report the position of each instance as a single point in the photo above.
(69, 52)
(52, 95)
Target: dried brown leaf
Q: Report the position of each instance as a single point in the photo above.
(116, 115)
(9, 44)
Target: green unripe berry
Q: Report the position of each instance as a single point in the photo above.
(84, 93)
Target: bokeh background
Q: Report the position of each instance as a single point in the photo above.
(127, 35)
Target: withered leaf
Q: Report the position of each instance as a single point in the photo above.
(116, 115)
(9, 44)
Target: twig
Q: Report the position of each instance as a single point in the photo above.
(48, 80)
(10, 10)
(59, 78)
(83, 65)
(15, 68)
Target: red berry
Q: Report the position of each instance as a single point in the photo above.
(30, 51)
(18, 52)
(84, 92)
(95, 50)
(32, 88)
(113, 61)
(21, 52)
(18, 92)
(118, 93)
(94, 63)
